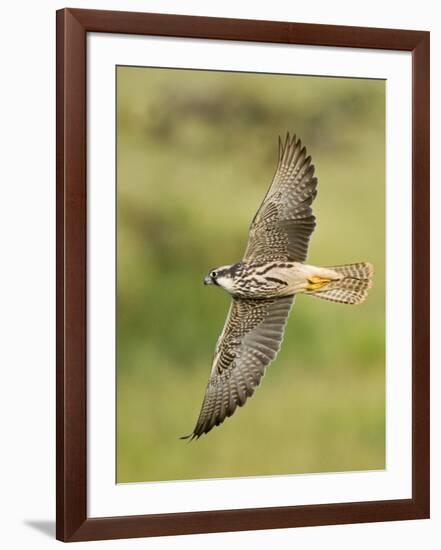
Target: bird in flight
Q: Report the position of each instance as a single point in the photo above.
(264, 283)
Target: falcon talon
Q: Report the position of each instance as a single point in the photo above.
(264, 283)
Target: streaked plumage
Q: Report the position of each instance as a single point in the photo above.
(264, 283)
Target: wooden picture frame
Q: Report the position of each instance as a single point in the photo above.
(73, 523)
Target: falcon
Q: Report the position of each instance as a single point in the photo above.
(264, 283)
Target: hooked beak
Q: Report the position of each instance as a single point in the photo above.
(208, 280)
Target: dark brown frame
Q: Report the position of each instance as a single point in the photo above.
(72, 521)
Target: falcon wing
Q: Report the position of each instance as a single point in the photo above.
(249, 342)
(283, 225)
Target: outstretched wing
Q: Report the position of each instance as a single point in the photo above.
(283, 225)
(250, 340)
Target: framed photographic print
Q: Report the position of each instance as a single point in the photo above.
(242, 274)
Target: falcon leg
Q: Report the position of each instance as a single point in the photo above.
(316, 282)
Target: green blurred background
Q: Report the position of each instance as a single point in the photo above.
(196, 151)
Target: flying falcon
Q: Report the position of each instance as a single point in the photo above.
(264, 283)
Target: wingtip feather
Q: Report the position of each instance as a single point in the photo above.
(189, 437)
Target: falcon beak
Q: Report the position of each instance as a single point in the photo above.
(207, 280)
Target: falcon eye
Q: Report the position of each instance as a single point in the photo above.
(213, 274)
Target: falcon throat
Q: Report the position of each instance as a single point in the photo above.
(264, 283)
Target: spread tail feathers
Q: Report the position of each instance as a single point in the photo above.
(351, 286)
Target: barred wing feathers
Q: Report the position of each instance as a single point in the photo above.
(249, 342)
(283, 225)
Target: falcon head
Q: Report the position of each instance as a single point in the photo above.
(224, 276)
